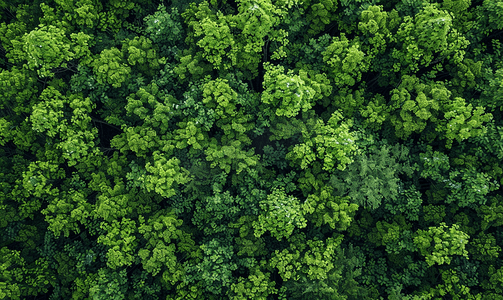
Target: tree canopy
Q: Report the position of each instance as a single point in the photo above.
(251, 149)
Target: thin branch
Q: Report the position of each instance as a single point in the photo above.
(490, 36)
(266, 46)
(10, 13)
(373, 80)
(103, 122)
(251, 84)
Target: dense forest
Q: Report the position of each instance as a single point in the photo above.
(251, 149)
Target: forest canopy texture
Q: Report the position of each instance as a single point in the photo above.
(251, 149)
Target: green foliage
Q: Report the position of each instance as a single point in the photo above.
(491, 215)
(215, 269)
(319, 14)
(412, 115)
(435, 164)
(274, 156)
(289, 94)
(48, 47)
(452, 286)
(456, 6)
(495, 281)
(217, 42)
(345, 61)
(256, 21)
(140, 139)
(10, 289)
(473, 188)
(18, 90)
(305, 257)
(407, 203)
(340, 282)
(193, 65)
(143, 286)
(230, 156)
(48, 113)
(426, 38)
(438, 244)
(110, 67)
(375, 113)
(309, 53)
(63, 213)
(375, 25)
(490, 12)
(220, 97)
(491, 94)
(145, 104)
(160, 231)
(164, 173)
(257, 286)
(251, 149)
(164, 29)
(490, 140)
(121, 241)
(281, 214)
(462, 121)
(484, 247)
(374, 176)
(78, 138)
(21, 278)
(190, 135)
(114, 203)
(324, 208)
(434, 213)
(212, 214)
(247, 242)
(348, 101)
(333, 143)
(109, 284)
(396, 237)
(38, 178)
(139, 53)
